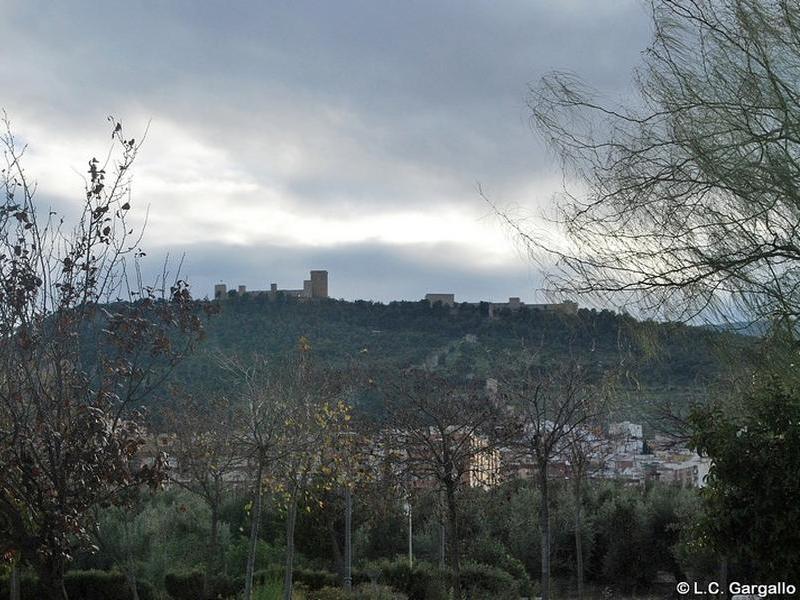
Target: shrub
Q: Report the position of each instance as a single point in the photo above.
(422, 582)
(29, 587)
(370, 591)
(184, 586)
(328, 593)
(489, 551)
(83, 585)
(313, 579)
(188, 585)
(490, 582)
(272, 590)
(96, 585)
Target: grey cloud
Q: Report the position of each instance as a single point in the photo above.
(390, 104)
(368, 271)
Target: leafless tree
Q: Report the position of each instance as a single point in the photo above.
(80, 348)
(587, 449)
(684, 201)
(441, 434)
(549, 409)
(202, 433)
(317, 458)
(292, 413)
(265, 412)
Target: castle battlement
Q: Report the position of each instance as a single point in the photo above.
(316, 286)
(514, 303)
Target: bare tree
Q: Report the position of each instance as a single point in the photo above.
(587, 450)
(548, 410)
(80, 348)
(444, 434)
(684, 200)
(265, 408)
(203, 434)
(292, 412)
(313, 460)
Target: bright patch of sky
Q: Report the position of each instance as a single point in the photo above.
(286, 136)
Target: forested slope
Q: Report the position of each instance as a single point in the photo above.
(650, 357)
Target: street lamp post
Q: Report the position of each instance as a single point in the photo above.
(407, 507)
(348, 524)
(348, 538)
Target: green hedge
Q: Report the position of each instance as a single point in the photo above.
(484, 581)
(29, 587)
(365, 591)
(188, 585)
(422, 582)
(328, 593)
(314, 580)
(368, 591)
(426, 582)
(83, 585)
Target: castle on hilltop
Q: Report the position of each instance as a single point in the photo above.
(514, 304)
(316, 286)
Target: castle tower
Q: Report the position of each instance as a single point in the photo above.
(319, 284)
(220, 291)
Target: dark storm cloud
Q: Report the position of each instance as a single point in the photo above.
(342, 108)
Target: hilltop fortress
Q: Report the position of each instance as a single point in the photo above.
(514, 304)
(316, 287)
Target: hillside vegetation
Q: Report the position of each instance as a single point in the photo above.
(651, 358)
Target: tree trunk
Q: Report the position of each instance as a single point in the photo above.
(578, 536)
(338, 558)
(544, 524)
(442, 545)
(51, 579)
(251, 552)
(723, 577)
(129, 563)
(288, 574)
(130, 579)
(455, 549)
(211, 557)
(13, 585)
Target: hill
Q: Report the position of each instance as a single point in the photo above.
(655, 358)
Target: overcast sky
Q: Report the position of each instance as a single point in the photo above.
(338, 135)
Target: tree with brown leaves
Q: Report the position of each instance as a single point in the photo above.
(80, 348)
